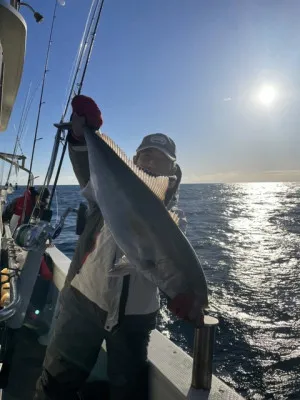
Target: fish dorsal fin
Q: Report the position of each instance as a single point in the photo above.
(174, 217)
(158, 185)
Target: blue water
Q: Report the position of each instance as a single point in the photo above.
(247, 237)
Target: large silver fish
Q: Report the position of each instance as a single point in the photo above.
(131, 202)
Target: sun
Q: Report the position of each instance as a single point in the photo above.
(267, 95)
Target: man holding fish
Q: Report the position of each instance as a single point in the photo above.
(131, 246)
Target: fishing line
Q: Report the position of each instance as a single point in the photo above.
(56, 199)
(18, 133)
(2, 172)
(22, 136)
(24, 110)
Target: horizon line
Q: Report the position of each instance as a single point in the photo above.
(194, 183)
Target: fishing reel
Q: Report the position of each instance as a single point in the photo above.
(35, 236)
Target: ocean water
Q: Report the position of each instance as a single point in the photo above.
(247, 238)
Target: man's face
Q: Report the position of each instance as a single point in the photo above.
(155, 162)
(44, 202)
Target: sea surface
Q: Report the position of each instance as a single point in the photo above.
(247, 237)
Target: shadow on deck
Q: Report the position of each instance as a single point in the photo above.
(25, 368)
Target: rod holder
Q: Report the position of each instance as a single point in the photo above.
(204, 340)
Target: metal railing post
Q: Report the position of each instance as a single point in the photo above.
(204, 340)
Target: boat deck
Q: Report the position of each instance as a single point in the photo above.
(26, 367)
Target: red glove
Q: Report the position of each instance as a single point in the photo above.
(187, 306)
(84, 106)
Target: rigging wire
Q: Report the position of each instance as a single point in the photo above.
(24, 111)
(21, 129)
(18, 133)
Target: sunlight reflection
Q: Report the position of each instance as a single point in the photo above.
(262, 260)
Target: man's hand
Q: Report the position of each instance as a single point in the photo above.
(85, 113)
(188, 306)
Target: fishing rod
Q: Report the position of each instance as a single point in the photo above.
(90, 48)
(41, 102)
(82, 48)
(96, 16)
(42, 90)
(47, 215)
(78, 61)
(86, 43)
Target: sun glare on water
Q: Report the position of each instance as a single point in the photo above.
(267, 95)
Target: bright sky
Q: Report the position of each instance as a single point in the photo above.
(221, 77)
